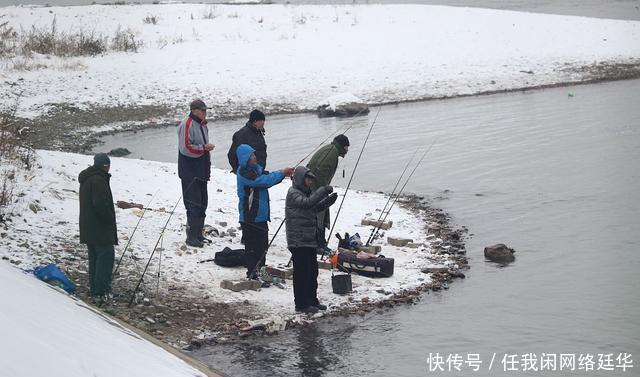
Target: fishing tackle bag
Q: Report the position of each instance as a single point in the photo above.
(377, 267)
(230, 258)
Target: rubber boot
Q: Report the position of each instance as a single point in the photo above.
(192, 235)
(200, 233)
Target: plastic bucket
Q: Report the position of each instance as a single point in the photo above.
(341, 283)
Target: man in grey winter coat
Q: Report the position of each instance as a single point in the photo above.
(301, 210)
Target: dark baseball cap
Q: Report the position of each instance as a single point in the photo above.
(198, 105)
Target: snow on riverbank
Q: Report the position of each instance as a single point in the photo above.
(46, 333)
(286, 57)
(45, 229)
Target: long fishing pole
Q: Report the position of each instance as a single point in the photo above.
(133, 296)
(134, 232)
(355, 168)
(377, 227)
(328, 137)
(392, 193)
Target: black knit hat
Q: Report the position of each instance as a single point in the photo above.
(256, 115)
(342, 140)
(101, 160)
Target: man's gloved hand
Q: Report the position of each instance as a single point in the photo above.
(331, 199)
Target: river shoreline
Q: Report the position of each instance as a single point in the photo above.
(182, 302)
(188, 322)
(72, 129)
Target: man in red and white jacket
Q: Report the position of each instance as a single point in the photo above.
(194, 169)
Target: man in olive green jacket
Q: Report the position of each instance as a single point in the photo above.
(323, 165)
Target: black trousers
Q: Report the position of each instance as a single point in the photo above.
(305, 276)
(256, 240)
(195, 197)
(100, 268)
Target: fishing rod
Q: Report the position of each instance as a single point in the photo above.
(377, 227)
(328, 137)
(355, 168)
(133, 296)
(134, 232)
(392, 192)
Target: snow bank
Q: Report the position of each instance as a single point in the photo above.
(291, 57)
(51, 233)
(47, 333)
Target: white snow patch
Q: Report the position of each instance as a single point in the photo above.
(293, 56)
(51, 234)
(47, 333)
(340, 99)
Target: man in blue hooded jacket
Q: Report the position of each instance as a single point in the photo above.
(253, 205)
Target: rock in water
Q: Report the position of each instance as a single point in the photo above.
(119, 152)
(499, 253)
(342, 105)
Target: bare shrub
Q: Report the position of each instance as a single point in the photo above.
(151, 20)
(300, 20)
(74, 65)
(26, 64)
(177, 40)
(210, 13)
(51, 41)
(125, 40)
(8, 38)
(9, 145)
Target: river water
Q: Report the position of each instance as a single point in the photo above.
(556, 176)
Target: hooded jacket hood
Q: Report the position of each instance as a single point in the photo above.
(243, 153)
(90, 172)
(298, 178)
(341, 150)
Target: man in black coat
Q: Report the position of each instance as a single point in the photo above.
(251, 134)
(98, 224)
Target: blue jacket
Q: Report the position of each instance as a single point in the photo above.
(253, 187)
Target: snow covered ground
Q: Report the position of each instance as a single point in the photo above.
(293, 57)
(47, 333)
(45, 229)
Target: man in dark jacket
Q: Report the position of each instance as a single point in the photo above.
(251, 134)
(253, 205)
(194, 170)
(98, 224)
(301, 208)
(323, 165)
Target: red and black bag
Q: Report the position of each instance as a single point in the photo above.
(376, 267)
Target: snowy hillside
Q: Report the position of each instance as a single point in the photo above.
(290, 58)
(47, 333)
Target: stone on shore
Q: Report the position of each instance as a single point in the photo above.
(119, 152)
(377, 223)
(342, 105)
(282, 272)
(240, 285)
(400, 242)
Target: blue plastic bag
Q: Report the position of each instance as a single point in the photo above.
(52, 275)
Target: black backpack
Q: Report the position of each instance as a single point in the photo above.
(230, 258)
